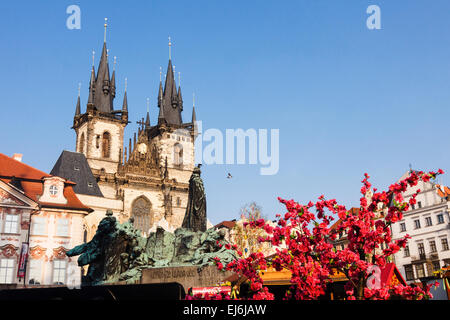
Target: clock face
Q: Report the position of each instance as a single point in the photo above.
(142, 148)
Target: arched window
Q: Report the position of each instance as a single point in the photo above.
(178, 154)
(81, 146)
(106, 145)
(141, 213)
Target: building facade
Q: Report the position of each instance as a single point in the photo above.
(40, 219)
(428, 224)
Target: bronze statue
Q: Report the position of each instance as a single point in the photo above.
(195, 217)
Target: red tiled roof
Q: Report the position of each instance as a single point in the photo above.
(226, 224)
(32, 183)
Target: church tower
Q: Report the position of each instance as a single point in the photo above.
(146, 179)
(100, 130)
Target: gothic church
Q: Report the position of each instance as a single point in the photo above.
(148, 178)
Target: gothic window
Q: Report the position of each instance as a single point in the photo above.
(141, 213)
(106, 145)
(178, 154)
(81, 146)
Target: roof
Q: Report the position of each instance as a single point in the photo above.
(32, 183)
(353, 211)
(226, 224)
(73, 166)
(390, 275)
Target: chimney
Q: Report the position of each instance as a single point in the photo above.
(17, 156)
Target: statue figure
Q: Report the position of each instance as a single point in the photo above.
(93, 252)
(195, 217)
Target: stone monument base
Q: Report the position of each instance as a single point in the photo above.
(187, 276)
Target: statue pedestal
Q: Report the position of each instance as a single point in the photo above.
(187, 276)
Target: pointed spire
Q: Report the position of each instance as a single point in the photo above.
(104, 92)
(147, 120)
(125, 100)
(78, 108)
(113, 80)
(194, 118)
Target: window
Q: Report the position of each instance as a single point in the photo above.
(420, 271)
(406, 251)
(444, 243)
(35, 273)
(62, 227)
(409, 272)
(6, 270)
(11, 223)
(402, 227)
(436, 265)
(59, 272)
(419, 204)
(428, 221)
(106, 145)
(440, 218)
(39, 226)
(178, 202)
(178, 154)
(421, 249)
(417, 224)
(433, 246)
(412, 207)
(53, 190)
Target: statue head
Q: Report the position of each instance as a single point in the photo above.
(197, 169)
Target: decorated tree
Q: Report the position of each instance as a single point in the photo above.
(304, 241)
(247, 239)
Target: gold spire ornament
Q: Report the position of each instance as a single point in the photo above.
(106, 25)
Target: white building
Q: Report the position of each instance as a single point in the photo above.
(428, 224)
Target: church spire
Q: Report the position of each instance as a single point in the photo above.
(194, 118)
(169, 99)
(125, 100)
(104, 88)
(78, 107)
(147, 120)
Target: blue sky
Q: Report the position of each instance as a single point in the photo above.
(346, 99)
